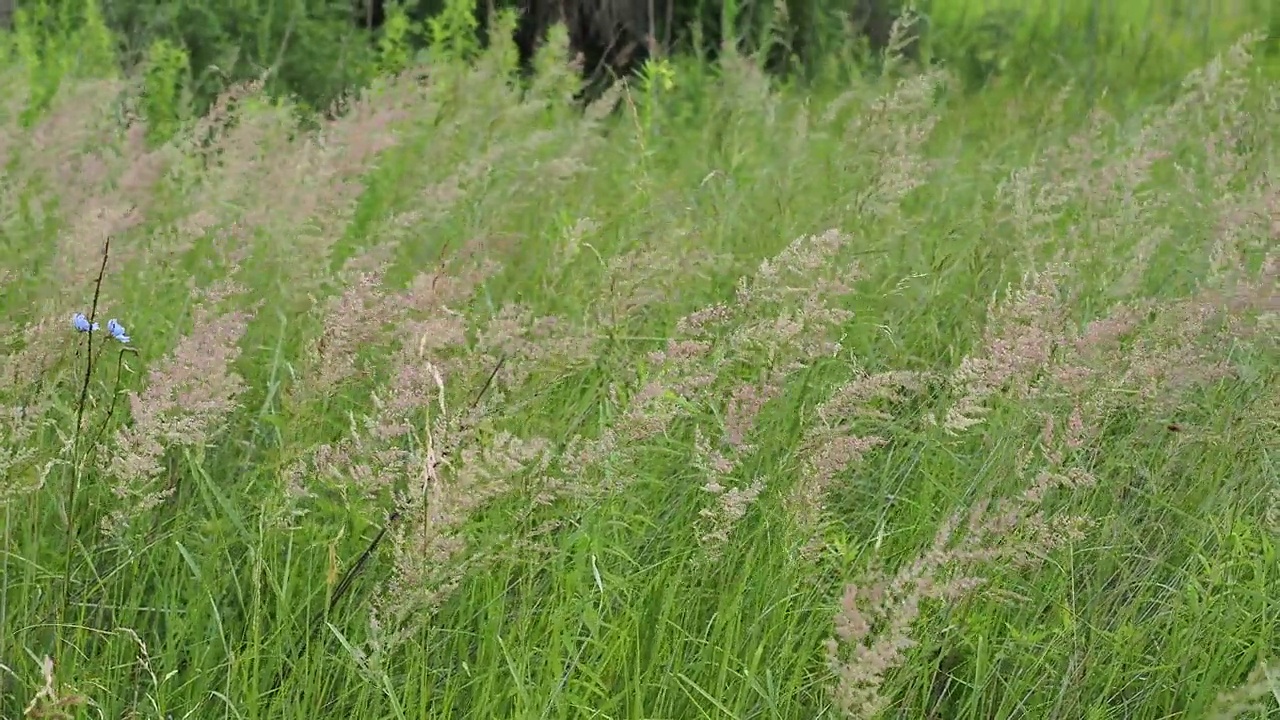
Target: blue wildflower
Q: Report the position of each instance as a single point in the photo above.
(81, 323)
(117, 331)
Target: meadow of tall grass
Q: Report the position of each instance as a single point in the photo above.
(743, 403)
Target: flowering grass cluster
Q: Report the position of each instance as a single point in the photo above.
(885, 403)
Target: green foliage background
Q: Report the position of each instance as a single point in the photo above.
(314, 50)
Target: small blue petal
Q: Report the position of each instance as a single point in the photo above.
(117, 330)
(81, 323)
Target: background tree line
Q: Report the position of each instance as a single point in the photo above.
(315, 50)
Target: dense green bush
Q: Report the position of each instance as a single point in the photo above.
(315, 50)
(307, 48)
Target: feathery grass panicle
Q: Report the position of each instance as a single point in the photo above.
(54, 700)
(895, 129)
(423, 317)
(1033, 354)
(519, 343)
(832, 444)
(34, 370)
(188, 398)
(785, 316)
(876, 619)
(357, 317)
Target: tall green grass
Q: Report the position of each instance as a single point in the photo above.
(607, 601)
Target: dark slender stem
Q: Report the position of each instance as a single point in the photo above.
(75, 443)
(115, 395)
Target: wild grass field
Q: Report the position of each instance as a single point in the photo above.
(887, 402)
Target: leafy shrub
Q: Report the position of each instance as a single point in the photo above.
(309, 49)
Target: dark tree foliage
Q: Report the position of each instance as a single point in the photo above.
(614, 37)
